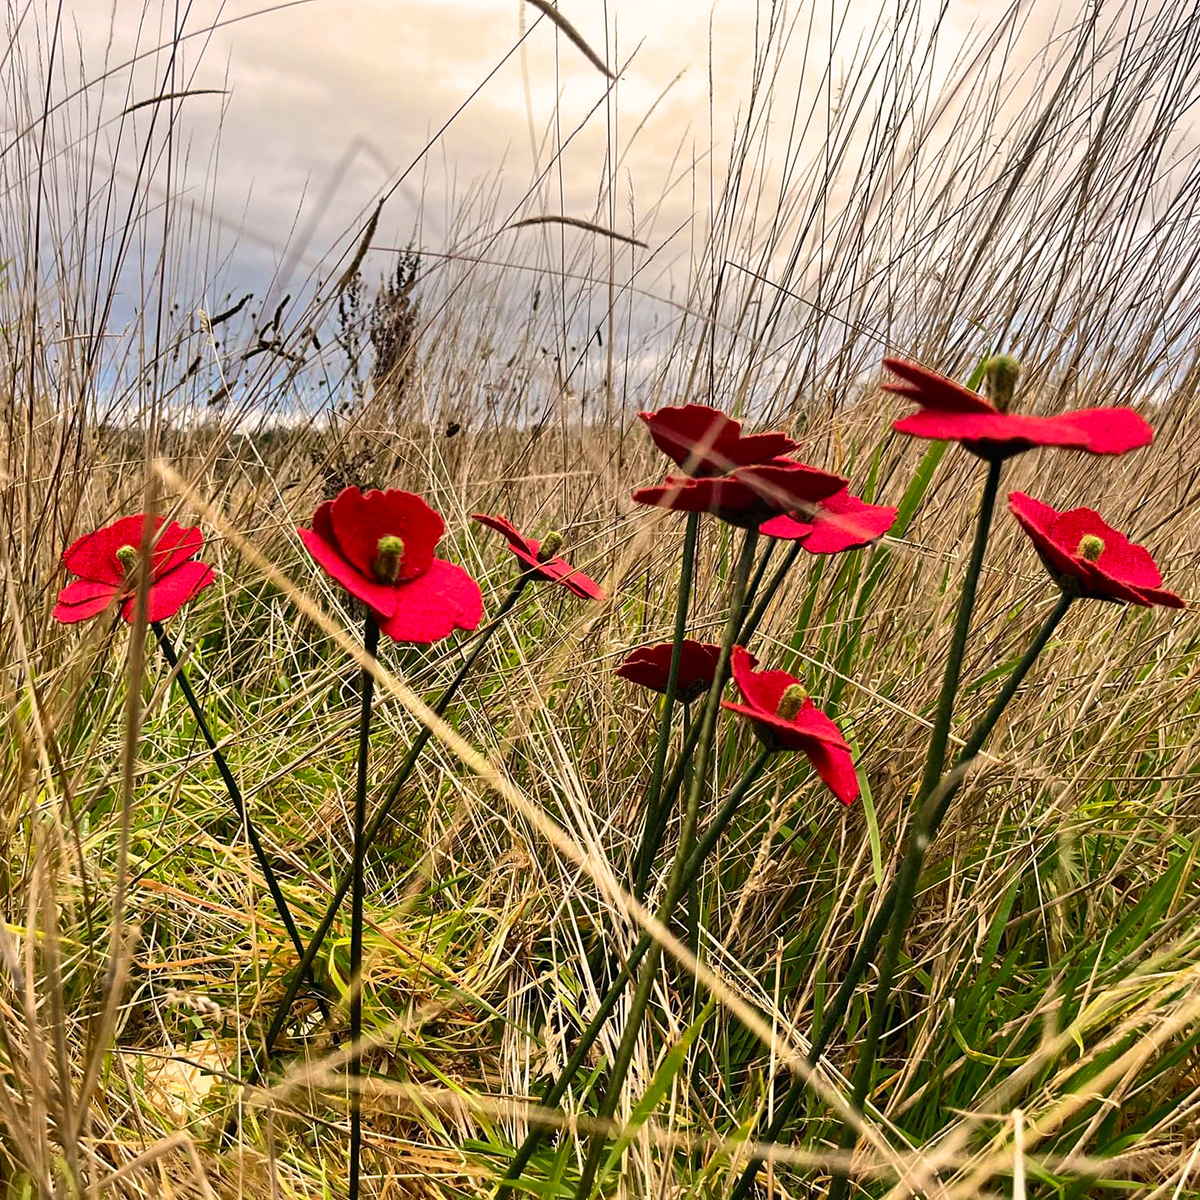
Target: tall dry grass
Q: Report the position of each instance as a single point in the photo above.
(1047, 1002)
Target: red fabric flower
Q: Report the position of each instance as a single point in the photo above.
(842, 522)
(953, 413)
(704, 441)
(105, 562)
(786, 719)
(552, 568)
(1079, 545)
(650, 666)
(379, 546)
(747, 496)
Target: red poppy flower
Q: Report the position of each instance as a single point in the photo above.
(650, 666)
(379, 546)
(105, 562)
(550, 567)
(747, 496)
(786, 719)
(951, 412)
(1079, 545)
(841, 522)
(704, 441)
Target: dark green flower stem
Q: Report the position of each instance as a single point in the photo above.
(931, 809)
(939, 738)
(675, 881)
(381, 816)
(870, 940)
(235, 794)
(691, 873)
(357, 896)
(754, 619)
(649, 848)
(675, 780)
(764, 560)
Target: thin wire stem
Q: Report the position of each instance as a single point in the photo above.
(239, 804)
(381, 816)
(357, 897)
(649, 846)
(869, 943)
(649, 968)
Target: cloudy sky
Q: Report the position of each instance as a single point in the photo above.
(329, 101)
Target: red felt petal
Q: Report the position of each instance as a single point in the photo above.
(704, 441)
(845, 522)
(1098, 431)
(723, 495)
(1163, 597)
(785, 528)
(835, 766)
(1032, 514)
(650, 666)
(932, 390)
(173, 546)
(558, 570)
(693, 435)
(380, 597)
(94, 556)
(1121, 559)
(505, 526)
(762, 690)
(360, 520)
(82, 599)
(169, 593)
(1124, 572)
(434, 605)
(788, 485)
(1107, 430)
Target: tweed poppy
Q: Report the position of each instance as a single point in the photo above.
(747, 496)
(1080, 546)
(952, 412)
(105, 562)
(839, 522)
(380, 547)
(650, 667)
(704, 441)
(784, 718)
(542, 558)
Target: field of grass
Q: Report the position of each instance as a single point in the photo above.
(1044, 1036)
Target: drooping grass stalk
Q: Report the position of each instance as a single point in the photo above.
(649, 845)
(239, 804)
(381, 816)
(691, 873)
(675, 881)
(357, 897)
(943, 796)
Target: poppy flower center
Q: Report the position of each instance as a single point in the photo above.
(1090, 547)
(127, 556)
(1002, 372)
(791, 702)
(551, 545)
(389, 554)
